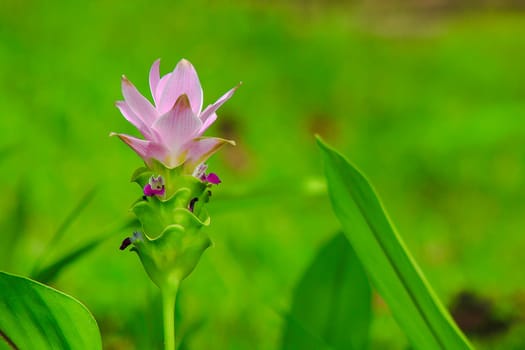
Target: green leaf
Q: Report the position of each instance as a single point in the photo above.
(388, 262)
(332, 302)
(35, 316)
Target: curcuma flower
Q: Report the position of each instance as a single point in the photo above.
(175, 183)
(173, 126)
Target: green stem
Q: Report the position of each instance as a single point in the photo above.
(168, 312)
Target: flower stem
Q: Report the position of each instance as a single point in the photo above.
(168, 311)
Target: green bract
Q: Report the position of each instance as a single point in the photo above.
(172, 241)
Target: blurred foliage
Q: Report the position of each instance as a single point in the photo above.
(331, 304)
(429, 104)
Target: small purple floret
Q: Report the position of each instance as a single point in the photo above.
(155, 186)
(212, 178)
(200, 173)
(125, 243)
(148, 191)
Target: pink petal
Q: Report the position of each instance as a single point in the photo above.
(160, 89)
(208, 116)
(209, 121)
(144, 148)
(215, 106)
(183, 80)
(179, 125)
(198, 150)
(154, 78)
(133, 119)
(138, 103)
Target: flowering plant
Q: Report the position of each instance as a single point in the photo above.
(174, 182)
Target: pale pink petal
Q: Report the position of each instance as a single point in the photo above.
(208, 116)
(133, 119)
(209, 121)
(200, 149)
(138, 103)
(160, 89)
(144, 148)
(178, 126)
(183, 80)
(215, 106)
(154, 78)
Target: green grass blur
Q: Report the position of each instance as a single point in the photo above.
(431, 106)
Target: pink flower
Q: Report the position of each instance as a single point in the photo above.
(173, 126)
(200, 173)
(155, 186)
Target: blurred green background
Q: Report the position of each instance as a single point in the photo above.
(428, 99)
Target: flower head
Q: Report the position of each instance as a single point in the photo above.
(173, 126)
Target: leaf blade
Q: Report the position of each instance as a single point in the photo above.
(389, 264)
(35, 316)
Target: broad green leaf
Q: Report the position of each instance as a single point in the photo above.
(35, 316)
(331, 303)
(388, 262)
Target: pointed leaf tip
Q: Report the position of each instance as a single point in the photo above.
(320, 140)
